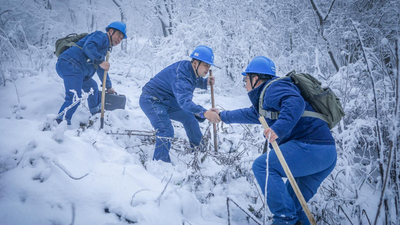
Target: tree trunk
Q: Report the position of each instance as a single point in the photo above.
(166, 23)
(322, 21)
(396, 136)
(91, 18)
(123, 19)
(47, 4)
(45, 32)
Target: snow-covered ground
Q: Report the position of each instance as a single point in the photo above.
(79, 175)
(83, 175)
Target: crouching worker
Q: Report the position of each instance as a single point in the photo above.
(77, 65)
(168, 96)
(306, 142)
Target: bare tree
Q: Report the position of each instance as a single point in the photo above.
(322, 20)
(164, 10)
(123, 19)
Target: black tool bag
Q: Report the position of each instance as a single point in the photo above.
(114, 101)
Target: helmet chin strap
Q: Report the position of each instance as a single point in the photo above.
(196, 71)
(110, 38)
(251, 81)
(258, 80)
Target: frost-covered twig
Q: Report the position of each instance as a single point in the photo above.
(159, 197)
(380, 145)
(8, 10)
(366, 177)
(123, 19)
(395, 134)
(195, 163)
(266, 179)
(78, 100)
(226, 158)
(16, 89)
(179, 159)
(322, 21)
(365, 213)
(130, 133)
(136, 193)
(183, 222)
(59, 165)
(73, 213)
(229, 212)
(1, 71)
(242, 125)
(245, 211)
(145, 133)
(68, 108)
(340, 207)
(7, 40)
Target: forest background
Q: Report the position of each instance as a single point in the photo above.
(352, 46)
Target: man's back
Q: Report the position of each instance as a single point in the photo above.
(285, 97)
(160, 85)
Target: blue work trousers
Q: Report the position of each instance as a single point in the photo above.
(74, 79)
(310, 164)
(160, 116)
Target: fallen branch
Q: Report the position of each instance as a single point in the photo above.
(135, 133)
(77, 101)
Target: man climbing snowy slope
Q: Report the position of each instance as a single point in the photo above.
(306, 142)
(168, 96)
(77, 65)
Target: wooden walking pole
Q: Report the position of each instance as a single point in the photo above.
(103, 94)
(289, 175)
(214, 124)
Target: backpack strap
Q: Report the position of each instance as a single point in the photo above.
(73, 44)
(315, 115)
(70, 44)
(267, 114)
(273, 115)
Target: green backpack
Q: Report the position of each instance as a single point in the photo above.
(65, 43)
(323, 100)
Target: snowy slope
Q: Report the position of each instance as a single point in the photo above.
(82, 175)
(76, 174)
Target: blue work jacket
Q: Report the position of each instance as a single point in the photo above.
(94, 49)
(285, 97)
(174, 86)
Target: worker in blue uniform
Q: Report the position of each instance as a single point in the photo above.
(77, 65)
(306, 142)
(169, 96)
